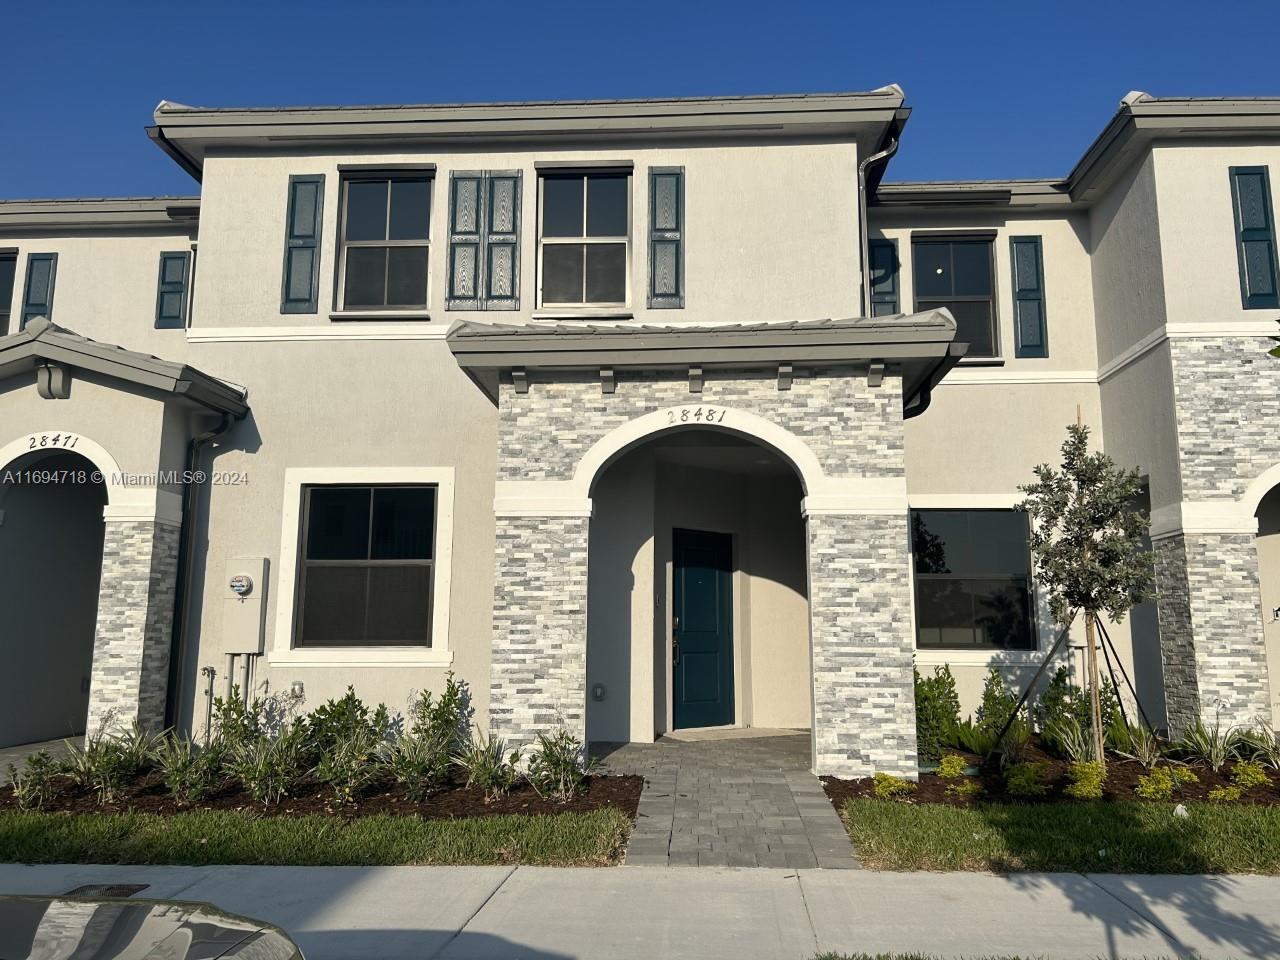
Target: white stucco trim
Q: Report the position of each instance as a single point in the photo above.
(282, 652)
(1211, 516)
(965, 501)
(934, 657)
(865, 495)
(346, 330)
(539, 498)
(982, 377)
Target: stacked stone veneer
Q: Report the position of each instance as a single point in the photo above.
(1227, 398)
(858, 567)
(135, 619)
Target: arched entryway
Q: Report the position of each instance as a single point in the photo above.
(1268, 514)
(697, 589)
(51, 536)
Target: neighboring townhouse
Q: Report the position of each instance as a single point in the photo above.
(589, 403)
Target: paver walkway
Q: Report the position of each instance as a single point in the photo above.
(739, 801)
(17, 754)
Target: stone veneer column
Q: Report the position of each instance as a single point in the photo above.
(130, 670)
(1211, 643)
(538, 678)
(862, 646)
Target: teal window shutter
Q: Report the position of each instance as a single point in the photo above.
(37, 297)
(1027, 258)
(171, 290)
(1255, 237)
(484, 240)
(666, 237)
(884, 277)
(301, 285)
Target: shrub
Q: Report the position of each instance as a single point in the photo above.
(1184, 775)
(350, 764)
(1261, 742)
(886, 786)
(189, 771)
(1064, 704)
(1065, 736)
(417, 762)
(1027, 779)
(445, 720)
(36, 783)
(1017, 740)
(1225, 794)
(997, 703)
(1087, 778)
(1211, 745)
(138, 747)
(976, 738)
(269, 769)
(488, 765)
(236, 723)
(341, 720)
(1249, 773)
(556, 768)
(952, 766)
(965, 788)
(101, 765)
(937, 712)
(1156, 785)
(1135, 742)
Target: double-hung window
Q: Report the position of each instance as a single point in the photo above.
(8, 270)
(956, 273)
(385, 241)
(585, 229)
(366, 566)
(973, 580)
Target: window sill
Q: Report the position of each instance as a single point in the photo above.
(380, 315)
(587, 313)
(361, 657)
(933, 656)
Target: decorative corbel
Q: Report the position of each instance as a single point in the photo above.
(875, 374)
(53, 381)
(785, 373)
(608, 383)
(695, 379)
(520, 378)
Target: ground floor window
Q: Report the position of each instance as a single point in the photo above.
(366, 566)
(972, 579)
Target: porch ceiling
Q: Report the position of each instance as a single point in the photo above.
(42, 343)
(921, 345)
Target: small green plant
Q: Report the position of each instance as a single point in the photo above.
(337, 721)
(1225, 794)
(976, 738)
(350, 765)
(417, 762)
(1027, 779)
(952, 766)
(139, 747)
(101, 765)
(963, 789)
(1016, 742)
(997, 704)
(937, 713)
(1184, 776)
(1210, 745)
(488, 765)
(445, 719)
(269, 769)
(1134, 741)
(235, 723)
(1156, 785)
(189, 770)
(886, 786)
(1261, 742)
(1067, 737)
(557, 770)
(1249, 773)
(36, 783)
(1086, 779)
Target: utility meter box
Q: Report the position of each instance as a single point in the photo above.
(244, 605)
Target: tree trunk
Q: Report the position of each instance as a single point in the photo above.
(1095, 688)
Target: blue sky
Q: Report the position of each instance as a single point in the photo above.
(998, 89)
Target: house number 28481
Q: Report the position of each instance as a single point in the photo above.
(696, 415)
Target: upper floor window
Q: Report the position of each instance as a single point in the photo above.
(584, 237)
(956, 273)
(385, 242)
(8, 270)
(973, 579)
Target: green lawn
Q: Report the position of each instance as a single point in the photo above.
(565, 839)
(1130, 837)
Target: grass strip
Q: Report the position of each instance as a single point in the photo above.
(1086, 837)
(215, 837)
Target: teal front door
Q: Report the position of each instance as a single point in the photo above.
(702, 629)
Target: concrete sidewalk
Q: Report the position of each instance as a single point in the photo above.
(735, 914)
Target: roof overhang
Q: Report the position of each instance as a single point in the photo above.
(45, 347)
(102, 214)
(919, 346)
(188, 134)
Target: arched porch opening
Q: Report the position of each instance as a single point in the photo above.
(697, 609)
(1268, 516)
(51, 539)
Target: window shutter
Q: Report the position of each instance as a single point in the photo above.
(301, 285)
(37, 298)
(1028, 297)
(484, 240)
(884, 277)
(171, 290)
(666, 237)
(1255, 237)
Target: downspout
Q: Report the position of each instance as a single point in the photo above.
(182, 586)
(864, 245)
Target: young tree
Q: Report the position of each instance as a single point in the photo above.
(1087, 542)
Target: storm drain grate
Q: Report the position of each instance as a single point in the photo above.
(91, 890)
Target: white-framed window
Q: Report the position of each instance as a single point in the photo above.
(384, 241)
(584, 238)
(365, 558)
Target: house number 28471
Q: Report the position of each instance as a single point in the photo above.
(696, 415)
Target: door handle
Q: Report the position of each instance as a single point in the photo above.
(675, 651)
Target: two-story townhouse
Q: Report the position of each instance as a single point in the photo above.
(588, 403)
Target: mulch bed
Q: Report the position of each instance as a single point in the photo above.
(1122, 778)
(148, 795)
